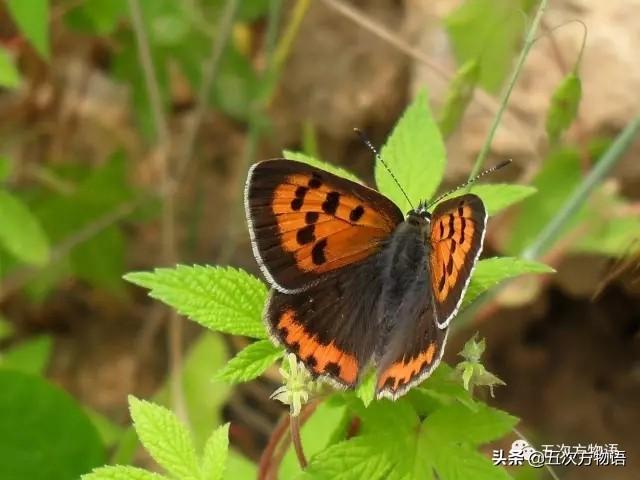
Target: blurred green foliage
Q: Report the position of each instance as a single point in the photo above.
(44, 433)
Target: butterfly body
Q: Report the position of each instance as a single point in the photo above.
(355, 283)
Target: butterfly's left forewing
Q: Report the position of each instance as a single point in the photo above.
(305, 222)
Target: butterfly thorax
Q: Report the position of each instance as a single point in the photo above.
(405, 268)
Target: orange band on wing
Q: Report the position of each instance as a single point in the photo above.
(401, 373)
(320, 359)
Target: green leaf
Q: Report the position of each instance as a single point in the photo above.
(44, 433)
(489, 31)
(216, 451)
(97, 17)
(369, 457)
(555, 182)
(491, 271)
(165, 438)
(238, 466)
(302, 157)
(459, 462)
(608, 231)
(415, 154)
(204, 398)
(32, 18)
(29, 356)
(99, 192)
(101, 259)
(459, 94)
(456, 423)
(122, 472)
(564, 106)
(109, 432)
(20, 231)
(9, 75)
(366, 391)
(611, 238)
(498, 196)
(223, 299)
(251, 362)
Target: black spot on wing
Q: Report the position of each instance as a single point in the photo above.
(443, 279)
(332, 369)
(450, 265)
(296, 203)
(389, 382)
(314, 181)
(330, 205)
(317, 252)
(464, 225)
(356, 213)
(311, 217)
(306, 235)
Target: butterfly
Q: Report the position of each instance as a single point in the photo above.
(354, 281)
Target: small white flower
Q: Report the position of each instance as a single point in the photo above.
(297, 385)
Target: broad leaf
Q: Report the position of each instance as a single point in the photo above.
(366, 391)
(251, 362)
(122, 472)
(29, 356)
(370, 456)
(165, 438)
(223, 299)
(498, 196)
(489, 31)
(20, 231)
(44, 433)
(216, 451)
(564, 106)
(457, 423)
(491, 271)
(415, 154)
(32, 18)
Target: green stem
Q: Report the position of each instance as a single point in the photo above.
(528, 43)
(582, 191)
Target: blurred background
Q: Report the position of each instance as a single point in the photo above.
(126, 132)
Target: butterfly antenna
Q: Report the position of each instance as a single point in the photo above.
(472, 180)
(379, 158)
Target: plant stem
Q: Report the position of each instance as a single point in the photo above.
(168, 216)
(483, 99)
(269, 460)
(294, 423)
(582, 191)
(528, 43)
(211, 69)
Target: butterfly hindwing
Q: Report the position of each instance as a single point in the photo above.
(305, 222)
(457, 233)
(415, 344)
(329, 326)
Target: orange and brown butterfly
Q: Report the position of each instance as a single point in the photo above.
(355, 282)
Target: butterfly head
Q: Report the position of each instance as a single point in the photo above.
(420, 212)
